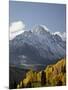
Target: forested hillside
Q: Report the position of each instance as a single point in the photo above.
(52, 75)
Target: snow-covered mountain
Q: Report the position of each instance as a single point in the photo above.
(37, 46)
(62, 35)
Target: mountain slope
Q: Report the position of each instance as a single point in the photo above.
(38, 46)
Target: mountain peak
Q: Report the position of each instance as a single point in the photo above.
(45, 27)
(40, 29)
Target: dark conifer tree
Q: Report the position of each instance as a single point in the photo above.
(28, 85)
(15, 85)
(43, 78)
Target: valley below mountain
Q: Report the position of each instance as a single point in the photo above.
(52, 75)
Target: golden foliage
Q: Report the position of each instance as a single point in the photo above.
(55, 75)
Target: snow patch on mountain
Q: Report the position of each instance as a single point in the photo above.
(40, 29)
(62, 35)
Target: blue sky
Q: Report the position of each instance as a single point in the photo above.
(51, 15)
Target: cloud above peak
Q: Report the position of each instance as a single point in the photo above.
(16, 28)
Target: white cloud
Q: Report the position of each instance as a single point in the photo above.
(16, 28)
(13, 35)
